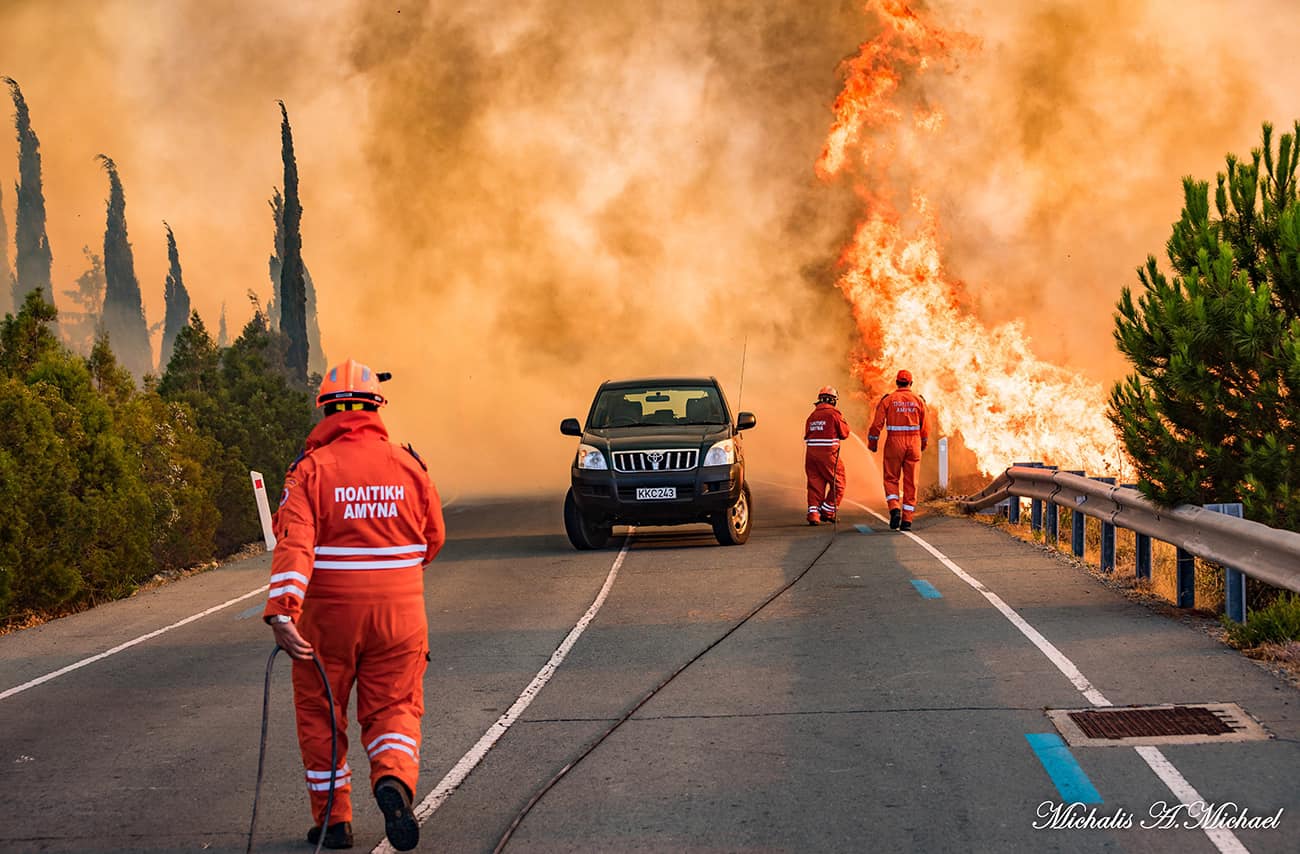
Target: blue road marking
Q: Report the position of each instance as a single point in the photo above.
(251, 612)
(863, 529)
(1061, 766)
(926, 589)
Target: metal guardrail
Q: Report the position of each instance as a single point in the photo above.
(1244, 547)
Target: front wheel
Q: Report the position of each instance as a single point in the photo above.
(583, 533)
(732, 526)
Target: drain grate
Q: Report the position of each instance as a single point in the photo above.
(1134, 725)
(1130, 723)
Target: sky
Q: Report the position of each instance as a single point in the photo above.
(506, 203)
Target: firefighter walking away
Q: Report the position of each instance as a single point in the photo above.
(901, 415)
(358, 522)
(822, 434)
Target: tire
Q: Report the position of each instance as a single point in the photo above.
(583, 533)
(732, 527)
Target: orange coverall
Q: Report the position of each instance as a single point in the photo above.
(822, 464)
(901, 415)
(358, 521)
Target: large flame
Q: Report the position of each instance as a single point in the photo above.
(984, 383)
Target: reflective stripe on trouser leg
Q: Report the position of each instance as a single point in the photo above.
(911, 463)
(390, 690)
(891, 467)
(817, 468)
(312, 710)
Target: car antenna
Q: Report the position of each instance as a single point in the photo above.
(740, 394)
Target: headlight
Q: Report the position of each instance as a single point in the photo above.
(590, 458)
(721, 454)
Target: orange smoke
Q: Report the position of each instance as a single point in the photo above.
(984, 383)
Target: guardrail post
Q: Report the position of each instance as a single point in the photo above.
(1234, 598)
(1142, 565)
(1141, 549)
(1076, 524)
(1013, 508)
(1035, 506)
(1107, 537)
(1052, 524)
(1185, 580)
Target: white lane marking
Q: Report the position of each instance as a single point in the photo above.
(1222, 838)
(18, 689)
(471, 759)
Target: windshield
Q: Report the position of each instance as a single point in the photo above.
(641, 407)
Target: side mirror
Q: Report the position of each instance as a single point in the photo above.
(571, 427)
(745, 420)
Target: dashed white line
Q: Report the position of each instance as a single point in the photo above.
(475, 755)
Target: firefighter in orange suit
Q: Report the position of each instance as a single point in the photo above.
(901, 414)
(822, 434)
(358, 522)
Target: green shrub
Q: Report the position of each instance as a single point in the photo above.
(1276, 622)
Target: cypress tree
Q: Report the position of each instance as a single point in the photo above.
(1212, 410)
(8, 284)
(276, 261)
(32, 256)
(223, 336)
(316, 363)
(80, 326)
(124, 321)
(177, 298)
(293, 287)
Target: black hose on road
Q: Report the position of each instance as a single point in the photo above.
(261, 750)
(550, 784)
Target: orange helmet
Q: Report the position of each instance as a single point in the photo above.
(350, 381)
(904, 378)
(828, 394)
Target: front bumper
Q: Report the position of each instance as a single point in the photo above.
(609, 497)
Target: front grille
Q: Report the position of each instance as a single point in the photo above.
(666, 460)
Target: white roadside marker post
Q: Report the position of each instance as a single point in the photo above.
(263, 509)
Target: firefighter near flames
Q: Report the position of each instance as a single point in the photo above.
(825, 428)
(901, 415)
(358, 522)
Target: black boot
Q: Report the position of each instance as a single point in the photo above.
(905, 526)
(894, 516)
(339, 835)
(394, 801)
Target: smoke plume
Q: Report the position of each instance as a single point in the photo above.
(512, 202)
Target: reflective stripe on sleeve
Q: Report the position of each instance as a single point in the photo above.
(289, 576)
(276, 592)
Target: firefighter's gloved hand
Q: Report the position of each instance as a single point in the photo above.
(871, 445)
(288, 639)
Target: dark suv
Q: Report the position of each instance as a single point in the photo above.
(658, 452)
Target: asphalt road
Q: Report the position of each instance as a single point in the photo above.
(853, 713)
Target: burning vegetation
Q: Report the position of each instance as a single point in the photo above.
(984, 384)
